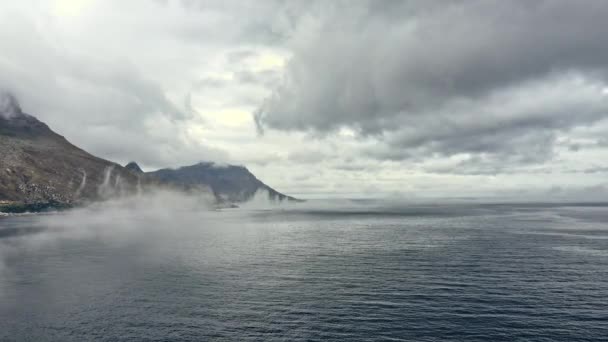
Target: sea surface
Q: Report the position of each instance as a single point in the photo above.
(360, 272)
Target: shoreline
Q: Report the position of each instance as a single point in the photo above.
(9, 208)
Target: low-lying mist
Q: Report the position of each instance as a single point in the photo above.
(121, 222)
(147, 222)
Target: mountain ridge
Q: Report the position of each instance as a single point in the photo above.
(41, 169)
(232, 183)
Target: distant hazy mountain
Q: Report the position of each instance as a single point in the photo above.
(228, 182)
(38, 167)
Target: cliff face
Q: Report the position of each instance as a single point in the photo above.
(38, 166)
(228, 182)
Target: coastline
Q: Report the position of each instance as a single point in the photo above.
(7, 208)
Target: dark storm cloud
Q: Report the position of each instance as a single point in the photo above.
(495, 79)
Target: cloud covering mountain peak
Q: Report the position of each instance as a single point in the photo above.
(9, 106)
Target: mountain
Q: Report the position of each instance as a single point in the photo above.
(39, 168)
(132, 166)
(228, 182)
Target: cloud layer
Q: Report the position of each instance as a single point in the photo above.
(353, 98)
(490, 79)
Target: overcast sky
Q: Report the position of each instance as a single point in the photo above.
(317, 98)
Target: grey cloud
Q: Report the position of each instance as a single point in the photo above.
(307, 156)
(591, 170)
(353, 167)
(234, 21)
(267, 78)
(210, 83)
(492, 78)
(491, 165)
(238, 56)
(240, 77)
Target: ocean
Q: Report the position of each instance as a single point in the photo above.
(319, 272)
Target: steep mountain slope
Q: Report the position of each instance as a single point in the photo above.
(228, 182)
(40, 167)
